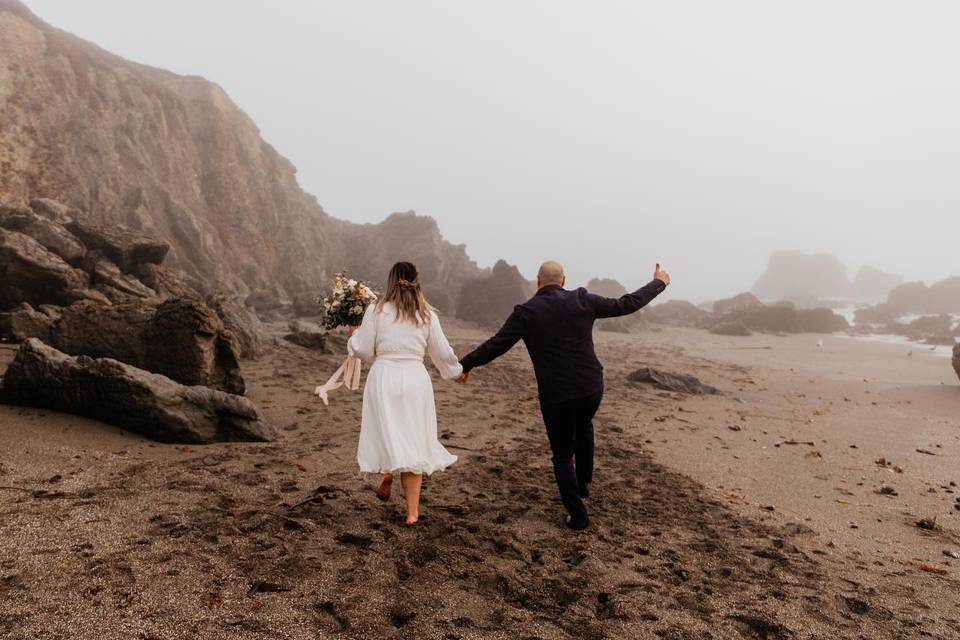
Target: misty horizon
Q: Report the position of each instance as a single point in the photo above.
(703, 137)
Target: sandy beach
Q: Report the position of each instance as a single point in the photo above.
(786, 507)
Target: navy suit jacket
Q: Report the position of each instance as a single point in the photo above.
(556, 325)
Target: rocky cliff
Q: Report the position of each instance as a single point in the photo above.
(174, 158)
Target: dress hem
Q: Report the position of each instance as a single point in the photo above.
(421, 469)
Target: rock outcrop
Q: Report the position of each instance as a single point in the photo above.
(744, 302)
(243, 325)
(172, 158)
(181, 338)
(307, 334)
(119, 394)
(374, 248)
(678, 382)
(29, 272)
(743, 314)
(26, 322)
(678, 313)
(796, 275)
(609, 288)
(915, 298)
(489, 300)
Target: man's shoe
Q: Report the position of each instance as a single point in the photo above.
(578, 524)
(585, 491)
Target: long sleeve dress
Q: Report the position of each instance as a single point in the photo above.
(398, 431)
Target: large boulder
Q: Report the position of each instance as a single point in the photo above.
(26, 322)
(29, 272)
(125, 248)
(307, 334)
(678, 313)
(106, 277)
(821, 320)
(53, 210)
(125, 396)
(737, 304)
(206, 352)
(181, 338)
(740, 315)
(488, 300)
(242, 323)
(50, 234)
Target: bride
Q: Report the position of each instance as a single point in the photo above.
(398, 432)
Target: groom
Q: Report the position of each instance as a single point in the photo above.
(557, 327)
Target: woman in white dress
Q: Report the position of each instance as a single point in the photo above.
(398, 432)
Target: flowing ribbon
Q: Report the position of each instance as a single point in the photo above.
(348, 374)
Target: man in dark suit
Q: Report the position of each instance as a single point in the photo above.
(556, 325)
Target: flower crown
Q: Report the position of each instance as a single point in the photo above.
(403, 282)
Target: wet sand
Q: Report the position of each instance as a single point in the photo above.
(708, 522)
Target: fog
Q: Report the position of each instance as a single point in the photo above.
(606, 135)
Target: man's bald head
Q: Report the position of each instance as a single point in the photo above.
(551, 272)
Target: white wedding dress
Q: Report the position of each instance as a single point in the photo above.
(398, 429)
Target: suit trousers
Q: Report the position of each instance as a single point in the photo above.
(570, 430)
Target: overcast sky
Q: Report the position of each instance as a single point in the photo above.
(605, 134)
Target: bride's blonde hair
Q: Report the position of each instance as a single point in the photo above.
(404, 291)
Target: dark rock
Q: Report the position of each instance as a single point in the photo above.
(53, 210)
(746, 313)
(873, 315)
(51, 235)
(122, 395)
(933, 325)
(307, 334)
(29, 272)
(737, 304)
(730, 329)
(182, 339)
(165, 282)
(678, 313)
(373, 249)
(205, 351)
(307, 305)
(680, 383)
(241, 321)
(489, 300)
(106, 277)
(26, 322)
(104, 331)
(821, 321)
(125, 248)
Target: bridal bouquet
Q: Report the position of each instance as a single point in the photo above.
(347, 302)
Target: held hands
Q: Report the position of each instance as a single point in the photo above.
(661, 275)
(462, 378)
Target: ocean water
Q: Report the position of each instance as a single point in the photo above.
(909, 345)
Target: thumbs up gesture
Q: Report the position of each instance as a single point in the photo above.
(661, 275)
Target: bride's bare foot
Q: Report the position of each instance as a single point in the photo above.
(386, 484)
(412, 519)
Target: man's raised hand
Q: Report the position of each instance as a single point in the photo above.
(661, 275)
